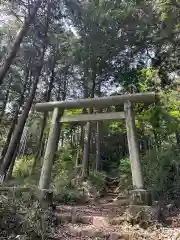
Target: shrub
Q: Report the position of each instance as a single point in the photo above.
(97, 180)
(63, 168)
(25, 220)
(160, 170)
(125, 173)
(69, 196)
(23, 166)
(157, 169)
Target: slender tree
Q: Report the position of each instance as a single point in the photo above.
(16, 44)
(19, 104)
(5, 99)
(45, 116)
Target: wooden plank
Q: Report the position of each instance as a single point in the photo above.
(93, 117)
(98, 102)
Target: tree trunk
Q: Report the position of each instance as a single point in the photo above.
(5, 99)
(87, 137)
(178, 138)
(15, 140)
(86, 134)
(20, 102)
(62, 140)
(156, 139)
(81, 136)
(98, 136)
(63, 97)
(21, 123)
(16, 44)
(98, 145)
(87, 140)
(8, 139)
(39, 150)
(10, 171)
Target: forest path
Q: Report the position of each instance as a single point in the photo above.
(106, 219)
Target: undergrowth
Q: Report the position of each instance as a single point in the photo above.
(160, 172)
(23, 218)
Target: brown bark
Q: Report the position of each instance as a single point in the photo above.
(22, 119)
(61, 112)
(16, 44)
(10, 171)
(20, 102)
(5, 99)
(21, 123)
(98, 145)
(40, 144)
(87, 135)
(177, 138)
(98, 136)
(87, 140)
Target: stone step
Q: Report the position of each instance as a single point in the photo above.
(68, 218)
(118, 220)
(112, 187)
(107, 199)
(98, 221)
(109, 193)
(84, 210)
(63, 218)
(109, 205)
(121, 202)
(94, 232)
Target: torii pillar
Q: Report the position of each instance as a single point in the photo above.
(139, 195)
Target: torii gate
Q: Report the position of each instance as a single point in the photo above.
(100, 102)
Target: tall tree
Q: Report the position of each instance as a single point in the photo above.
(16, 44)
(22, 119)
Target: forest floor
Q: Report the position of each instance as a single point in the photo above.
(93, 222)
(105, 219)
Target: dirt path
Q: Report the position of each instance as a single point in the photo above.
(105, 220)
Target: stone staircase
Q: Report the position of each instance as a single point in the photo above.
(99, 220)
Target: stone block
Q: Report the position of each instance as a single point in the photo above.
(100, 222)
(142, 215)
(141, 197)
(117, 220)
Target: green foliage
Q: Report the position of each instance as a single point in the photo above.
(23, 166)
(63, 168)
(137, 79)
(97, 180)
(22, 218)
(68, 195)
(125, 173)
(157, 171)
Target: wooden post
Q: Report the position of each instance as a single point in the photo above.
(133, 146)
(51, 147)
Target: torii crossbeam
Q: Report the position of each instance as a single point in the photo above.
(97, 102)
(100, 102)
